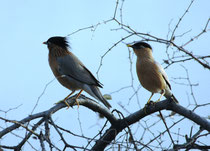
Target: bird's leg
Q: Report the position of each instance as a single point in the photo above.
(77, 97)
(148, 103)
(150, 98)
(67, 98)
(64, 100)
(162, 94)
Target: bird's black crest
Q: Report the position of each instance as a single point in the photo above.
(141, 44)
(60, 41)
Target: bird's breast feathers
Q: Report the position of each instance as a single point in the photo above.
(149, 76)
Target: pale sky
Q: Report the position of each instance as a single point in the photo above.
(25, 71)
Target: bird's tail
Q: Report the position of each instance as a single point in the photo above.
(176, 101)
(174, 98)
(95, 92)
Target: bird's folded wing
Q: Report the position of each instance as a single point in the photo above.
(164, 75)
(70, 65)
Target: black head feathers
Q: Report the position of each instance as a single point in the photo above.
(140, 45)
(59, 41)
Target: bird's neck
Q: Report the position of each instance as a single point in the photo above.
(58, 51)
(144, 54)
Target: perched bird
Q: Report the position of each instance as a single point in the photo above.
(151, 74)
(70, 71)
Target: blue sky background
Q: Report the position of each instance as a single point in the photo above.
(24, 59)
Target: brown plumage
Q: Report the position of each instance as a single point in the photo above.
(70, 71)
(150, 73)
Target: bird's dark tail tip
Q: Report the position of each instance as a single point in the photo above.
(106, 103)
(176, 101)
(95, 92)
(174, 98)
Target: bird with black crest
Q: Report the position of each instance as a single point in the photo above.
(71, 72)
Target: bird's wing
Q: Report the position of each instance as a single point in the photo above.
(70, 65)
(164, 75)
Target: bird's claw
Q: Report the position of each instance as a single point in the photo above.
(63, 101)
(66, 104)
(150, 103)
(157, 101)
(77, 104)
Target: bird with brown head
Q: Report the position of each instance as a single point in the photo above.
(150, 73)
(70, 71)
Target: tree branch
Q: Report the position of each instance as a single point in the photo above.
(167, 104)
(117, 125)
(83, 100)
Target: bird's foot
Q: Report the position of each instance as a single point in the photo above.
(66, 104)
(63, 101)
(150, 103)
(77, 103)
(157, 101)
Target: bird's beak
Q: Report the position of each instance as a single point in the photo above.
(129, 45)
(45, 42)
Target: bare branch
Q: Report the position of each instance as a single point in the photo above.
(112, 132)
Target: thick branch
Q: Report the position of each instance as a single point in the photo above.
(85, 101)
(167, 104)
(117, 125)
